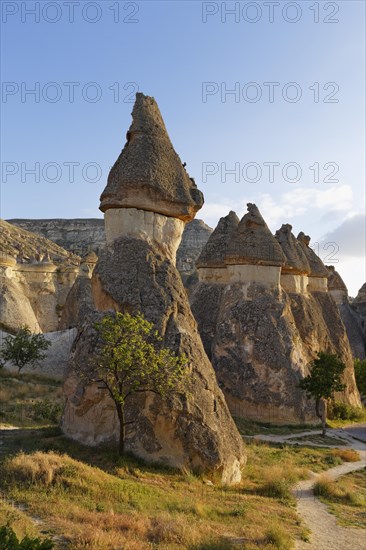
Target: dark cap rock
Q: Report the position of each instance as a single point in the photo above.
(296, 260)
(335, 281)
(214, 252)
(253, 243)
(317, 268)
(148, 174)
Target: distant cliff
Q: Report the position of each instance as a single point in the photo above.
(83, 235)
(79, 235)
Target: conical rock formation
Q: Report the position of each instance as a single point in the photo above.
(149, 174)
(150, 196)
(261, 336)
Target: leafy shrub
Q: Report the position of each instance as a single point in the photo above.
(45, 410)
(9, 541)
(342, 411)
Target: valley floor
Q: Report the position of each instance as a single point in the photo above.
(82, 498)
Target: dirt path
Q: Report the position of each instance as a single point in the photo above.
(325, 533)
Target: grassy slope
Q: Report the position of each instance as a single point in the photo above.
(346, 498)
(99, 500)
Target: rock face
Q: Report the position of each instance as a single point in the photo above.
(54, 365)
(359, 308)
(195, 235)
(350, 317)
(79, 235)
(136, 272)
(259, 335)
(33, 287)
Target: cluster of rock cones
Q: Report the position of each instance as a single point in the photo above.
(262, 306)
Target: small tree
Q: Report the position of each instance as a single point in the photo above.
(131, 360)
(324, 379)
(360, 375)
(24, 348)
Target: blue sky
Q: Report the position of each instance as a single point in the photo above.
(170, 52)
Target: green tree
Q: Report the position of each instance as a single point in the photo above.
(131, 359)
(360, 375)
(325, 378)
(25, 348)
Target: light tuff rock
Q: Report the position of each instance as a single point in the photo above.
(34, 288)
(148, 174)
(261, 337)
(148, 198)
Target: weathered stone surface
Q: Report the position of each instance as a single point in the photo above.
(358, 306)
(78, 235)
(262, 325)
(15, 308)
(194, 430)
(253, 243)
(261, 346)
(296, 260)
(84, 235)
(164, 231)
(195, 235)
(148, 174)
(23, 242)
(335, 281)
(214, 253)
(34, 289)
(55, 363)
(78, 305)
(317, 268)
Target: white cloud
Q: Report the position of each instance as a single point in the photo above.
(302, 199)
(212, 212)
(349, 236)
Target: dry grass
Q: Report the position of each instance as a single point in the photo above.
(141, 508)
(347, 455)
(346, 497)
(24, 397)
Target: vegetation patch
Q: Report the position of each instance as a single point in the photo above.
(346, 497)
(101, 500)
(28, 400)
